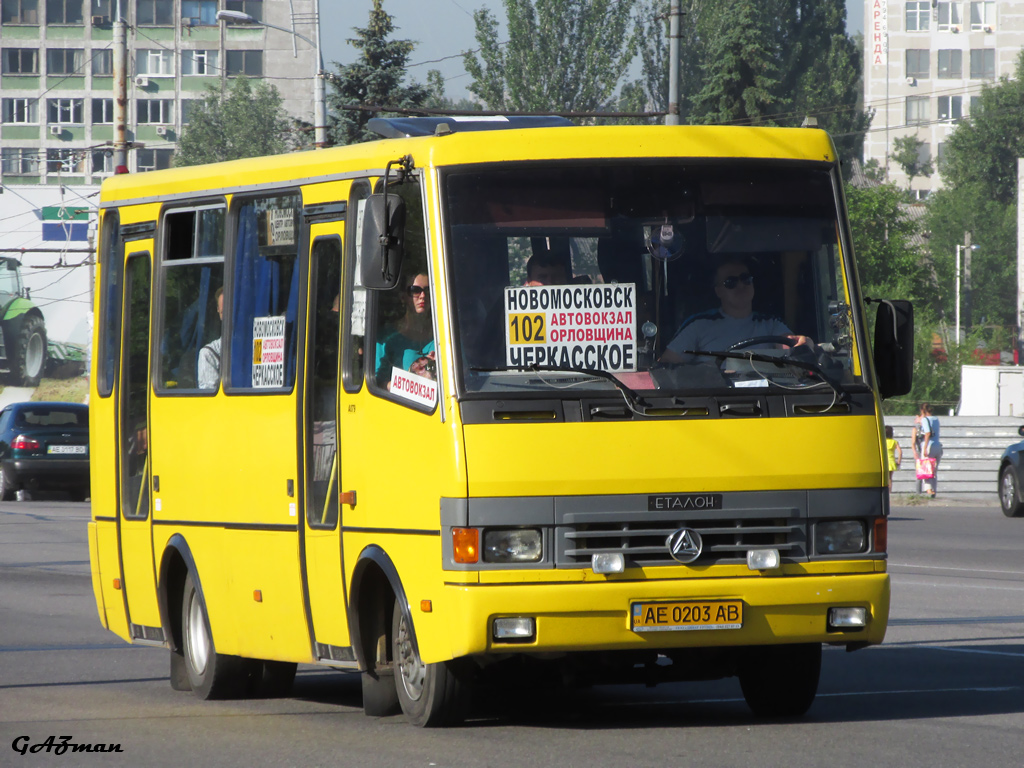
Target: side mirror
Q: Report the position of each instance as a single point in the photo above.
(894, 347)
(383, 241)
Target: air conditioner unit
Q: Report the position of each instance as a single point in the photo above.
(911, 81)
(141, 82)
(161, 130)
(988, 29)
(99, 21)
(955, 28)
(56, 130)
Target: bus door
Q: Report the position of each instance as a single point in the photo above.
(323, 567)
(138, 575)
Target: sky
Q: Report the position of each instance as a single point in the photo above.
(442, 29)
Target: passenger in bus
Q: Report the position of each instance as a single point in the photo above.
(545, 269)
(209, 356)
(410, 345)
(732, 322)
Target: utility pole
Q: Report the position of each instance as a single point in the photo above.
(967, 281)
(319, 105)
(120, 91)
(672, 118)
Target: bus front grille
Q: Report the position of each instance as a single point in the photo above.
(643, 543)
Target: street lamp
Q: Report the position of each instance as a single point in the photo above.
(319, 103)
(958, 249)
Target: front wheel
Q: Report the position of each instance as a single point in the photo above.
(6, 486)
(211, 675)
(1009, 493)
(780, 681)
(429, 694)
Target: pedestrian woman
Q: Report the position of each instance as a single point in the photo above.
(931, 447)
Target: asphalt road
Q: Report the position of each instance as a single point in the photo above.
(946, 688)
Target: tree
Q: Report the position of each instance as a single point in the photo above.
(375, 80)
(909, 157)
(561, 55)
(246, 120)
(979, 195)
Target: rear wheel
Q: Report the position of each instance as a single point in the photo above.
(6, 486)
(1009, 493)
(211, 675)
(28, 356)
(781, 681)
(430, 694)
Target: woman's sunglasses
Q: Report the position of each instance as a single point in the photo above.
(733, 280)
(416, 290)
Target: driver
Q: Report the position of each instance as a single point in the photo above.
(734, 321)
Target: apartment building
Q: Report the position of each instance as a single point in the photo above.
(925, 64)
(57, 83)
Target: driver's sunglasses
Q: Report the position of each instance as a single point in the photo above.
(733, 280)
(416, 290)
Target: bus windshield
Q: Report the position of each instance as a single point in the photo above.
(666, 277)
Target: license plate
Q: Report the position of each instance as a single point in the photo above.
(689, 615)
(79, 449)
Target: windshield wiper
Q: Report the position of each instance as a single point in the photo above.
(779, 361)
(634, 401)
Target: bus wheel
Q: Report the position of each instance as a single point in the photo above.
(430, 694)
(211, 675)
(780, 681)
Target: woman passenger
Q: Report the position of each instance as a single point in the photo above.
(410, 345)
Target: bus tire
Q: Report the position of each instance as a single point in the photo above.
(211, 675)
(431, 695)
(780, 681)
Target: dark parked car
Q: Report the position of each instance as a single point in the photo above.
(1011, 479)
(44, 446)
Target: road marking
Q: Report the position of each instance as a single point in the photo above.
(957, 586)
(972, 650)
(837, 695)
(952, 568)
(959, 620)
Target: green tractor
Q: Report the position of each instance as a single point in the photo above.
(22, 329)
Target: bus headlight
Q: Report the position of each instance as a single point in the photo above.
(515, 545)
(840, 537)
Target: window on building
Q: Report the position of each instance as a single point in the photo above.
(200, 62)
(917, 62)
(20, 61)
(103, 63)
(102, 111)
(104, 8)
(154, 12)
(102, 162)
(63, 11)
(252, 7)
(917, 110)
(19, 11)
(19, 161)
(64, 111)
(924, 153)
(249, 63)
(975, 104)
(948, 15)
(153, 159)
(196, 12)
(919, 12)
(65, 61)
(187, 105)
(951, 107)
(61, 161)
(983, 16)
(24, 111)
(150, 111)
(951, 63)
(983, 64)
(154, 63)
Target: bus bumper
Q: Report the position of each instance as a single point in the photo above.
(597, 616)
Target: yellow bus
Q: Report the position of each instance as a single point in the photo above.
(491, 396)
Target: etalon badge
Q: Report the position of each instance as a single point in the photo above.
(684, 545)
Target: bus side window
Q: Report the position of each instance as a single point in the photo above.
(353, 364)
(193, 266)
(112, 275)
(264, 301)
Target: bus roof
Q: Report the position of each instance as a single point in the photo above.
(472, 146)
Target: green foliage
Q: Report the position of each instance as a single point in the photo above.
(376, 79)
(246, 120)
(907, 156)
(561, 55)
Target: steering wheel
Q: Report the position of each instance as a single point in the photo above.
(784, 340)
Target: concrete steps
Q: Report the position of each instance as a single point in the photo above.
(971, 448)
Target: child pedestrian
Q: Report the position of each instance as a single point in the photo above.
(895, 452)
